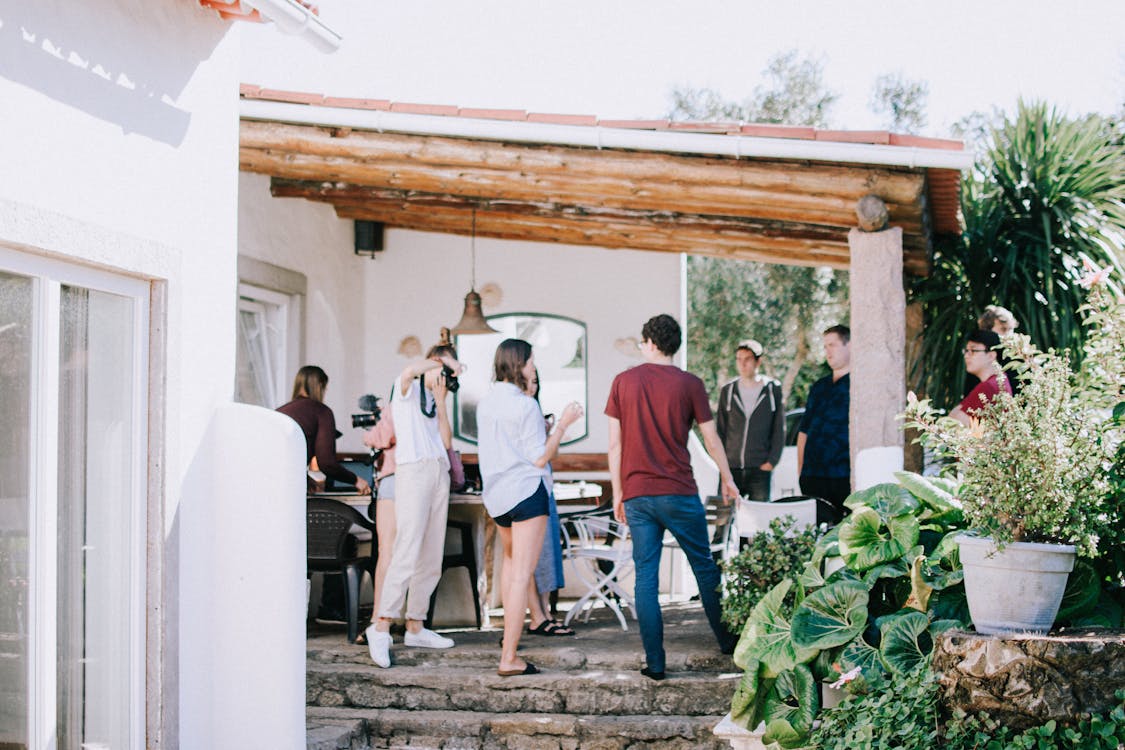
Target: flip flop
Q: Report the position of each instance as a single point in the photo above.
(550, 627)
(528, 669)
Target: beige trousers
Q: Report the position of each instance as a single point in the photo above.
(421, 508)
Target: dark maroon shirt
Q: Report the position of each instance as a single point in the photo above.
(656, 405)
(985, 391)
(319, 425)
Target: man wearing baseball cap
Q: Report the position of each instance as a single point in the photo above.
(751, 423)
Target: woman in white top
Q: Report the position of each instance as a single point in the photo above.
(513, 450)
(421, 497)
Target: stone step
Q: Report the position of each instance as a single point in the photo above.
(553, 653)
(469, 730)
(327, 732)
(594, 691)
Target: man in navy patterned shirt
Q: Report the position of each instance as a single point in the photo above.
(823, 451)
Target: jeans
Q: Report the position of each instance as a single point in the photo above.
(683, 515)
(752, 483)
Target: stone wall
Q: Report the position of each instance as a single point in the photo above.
(1025, 681)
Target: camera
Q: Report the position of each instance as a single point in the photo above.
(451, 382)
(369, 404)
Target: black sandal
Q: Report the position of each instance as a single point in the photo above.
(550, 627)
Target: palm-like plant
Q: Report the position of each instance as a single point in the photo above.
(1048, 194)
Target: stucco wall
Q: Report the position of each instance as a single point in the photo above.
(360, 309)
(119, 131)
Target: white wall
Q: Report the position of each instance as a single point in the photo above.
(360, 309)
(118, 141)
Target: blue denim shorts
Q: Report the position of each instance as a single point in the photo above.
(536, 505)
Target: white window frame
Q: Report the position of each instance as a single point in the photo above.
(48, 276)
(278, 311)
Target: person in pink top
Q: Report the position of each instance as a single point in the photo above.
(980, 360)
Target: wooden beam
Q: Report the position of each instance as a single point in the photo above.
(723, 236)
(798, 191)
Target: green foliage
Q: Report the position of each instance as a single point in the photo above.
(902, 711)
(878, 614)
(1048, 193)
(1033, 465)
(793, 93)
(902, 102)
(768, 558)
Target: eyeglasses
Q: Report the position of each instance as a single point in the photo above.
(967, 350)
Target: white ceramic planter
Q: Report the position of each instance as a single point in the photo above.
(1017, 589)
(739, 738)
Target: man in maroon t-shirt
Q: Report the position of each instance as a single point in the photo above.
(651, 409)
(980, 360)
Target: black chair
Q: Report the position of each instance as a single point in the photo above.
(466, 558)
(331, 550)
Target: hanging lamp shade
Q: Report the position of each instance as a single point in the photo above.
(472, 319)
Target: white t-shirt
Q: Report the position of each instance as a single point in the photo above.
(416, 435)
(510, 437)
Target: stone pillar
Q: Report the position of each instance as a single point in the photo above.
(878, 361)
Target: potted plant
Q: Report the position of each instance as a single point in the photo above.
(1035, 470)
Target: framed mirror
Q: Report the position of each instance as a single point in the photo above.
(559, 345)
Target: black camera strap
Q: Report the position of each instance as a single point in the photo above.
(422, 399)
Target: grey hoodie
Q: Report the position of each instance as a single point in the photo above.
(751, 442)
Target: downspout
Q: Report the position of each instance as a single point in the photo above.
(600, 137)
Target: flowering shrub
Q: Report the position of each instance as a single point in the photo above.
(1036, 466)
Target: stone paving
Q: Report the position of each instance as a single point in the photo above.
(589, 694)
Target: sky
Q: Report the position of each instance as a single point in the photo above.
(621, 58)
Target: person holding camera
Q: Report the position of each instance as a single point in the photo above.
(513, 449)
(423, 436)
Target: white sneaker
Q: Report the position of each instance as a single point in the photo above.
(379, 645)
(425, 638)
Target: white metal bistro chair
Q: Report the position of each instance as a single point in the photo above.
(601, 550)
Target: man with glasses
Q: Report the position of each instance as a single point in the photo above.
(980, 361)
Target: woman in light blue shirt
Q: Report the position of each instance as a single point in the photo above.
(513, 449)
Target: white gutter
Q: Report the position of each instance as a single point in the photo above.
(600, 137)
(294, 18)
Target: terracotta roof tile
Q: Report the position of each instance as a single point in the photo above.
(877, 137)
(635, 124)
(249, 90)
(924, 142)
(561, 119)
(705, 127)
(338, 101)
(424, 109)
(494, 114)
(295, 97)
(769, 130)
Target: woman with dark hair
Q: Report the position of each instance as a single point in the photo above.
(513, 449)
(317, 422)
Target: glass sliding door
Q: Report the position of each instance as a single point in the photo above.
(94, 628)
(16, 299)
(73, 450)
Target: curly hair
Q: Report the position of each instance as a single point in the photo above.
(664, 331)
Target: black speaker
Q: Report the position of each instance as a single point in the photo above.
(368, 237)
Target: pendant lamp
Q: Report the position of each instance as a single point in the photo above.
(472, 319)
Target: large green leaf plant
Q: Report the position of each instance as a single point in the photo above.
(877, 591)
